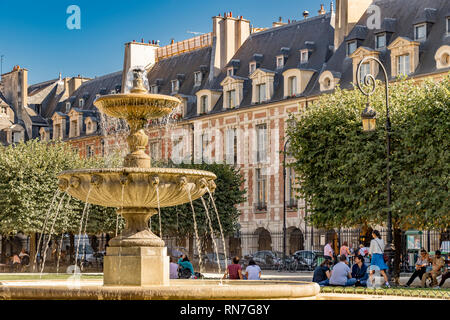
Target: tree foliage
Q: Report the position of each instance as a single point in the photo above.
(29, 190)
(343, 169)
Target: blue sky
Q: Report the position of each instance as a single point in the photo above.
(34, 34)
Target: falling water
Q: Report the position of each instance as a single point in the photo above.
(51, 231)
(84, 233)
(212, 234)
(81, 227)
(159, 211)
(58, 192)
(220, 226)
(118, 214)
(62, 236)
(199, 250)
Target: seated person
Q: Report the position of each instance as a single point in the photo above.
(421, 267)
(234, 271)
(253, 271)
(359, 272)
(322, 273)
(445, 276)
(437, 264)
(186, 268)
(341, 275)
(173, 269)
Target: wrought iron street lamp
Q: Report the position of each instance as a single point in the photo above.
(369, 124)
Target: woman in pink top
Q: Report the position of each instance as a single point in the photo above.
(345, 250)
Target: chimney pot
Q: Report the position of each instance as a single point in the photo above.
(322, 10)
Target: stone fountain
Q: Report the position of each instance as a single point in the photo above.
(136, 265)
(140, 253)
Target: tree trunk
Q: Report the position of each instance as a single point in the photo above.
(191, 247)
(72, 248)
(32, 252)
(397, 253)
(3, 255)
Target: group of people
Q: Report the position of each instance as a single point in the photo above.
(342, 275)
(424, 271)
(182, 269)
(19, 261)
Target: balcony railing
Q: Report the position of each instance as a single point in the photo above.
(260, 207)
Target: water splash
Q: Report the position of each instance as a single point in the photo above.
(220, 226)
(58, 192)
(62, 236)
(212, 234)
(51, 231)
(84, 234)
(159, 211)
(118, 214)
(199, 249)
(81, 226)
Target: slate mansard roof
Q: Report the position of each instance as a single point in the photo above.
(398, 17)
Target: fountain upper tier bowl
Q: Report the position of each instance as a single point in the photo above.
(136, 187)
(137, 105)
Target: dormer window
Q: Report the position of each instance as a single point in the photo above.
(380, 41)
(420, 32)
(304, 56)
(67, 107)
(3, 110)
(292, 86)
(154, 89)
(280, 62)
(203, 104)
(403, 65)
(231, 98)
(351, 47)
(197, 79)
(230, 71)
(81, 103)
(251, 67)
(260, 92)
(364, 71)
(175, 86)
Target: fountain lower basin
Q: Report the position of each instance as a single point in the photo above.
(176, 290)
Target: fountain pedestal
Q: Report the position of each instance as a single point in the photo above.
(136, 257)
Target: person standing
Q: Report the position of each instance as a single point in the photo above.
(376, 251)
(437, 263)
(341, 275)
(234, 271)
(345, 251)
(253, 271)
(421, 267)
(328, 251)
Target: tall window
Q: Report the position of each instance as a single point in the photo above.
(154, 151)
(3, 110)
(280, 62)
(205, 143)
(231, 147)
(261, 143)
(420, 32)
(365, 70)
(231, 98)
(290, 188)
(197, 78)
(154, 89)
(89, 151)
(261, 190)
(81, 103)
(74, 128)
(403, 65)
(68, 107)
(292, 86)
(304, 56)
(204, 104)
(380, 41)
(351, 47)
(230, 71)
(261, 92)
(175, 85)
(251, 67)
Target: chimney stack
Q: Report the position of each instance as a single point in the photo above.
(322, 10)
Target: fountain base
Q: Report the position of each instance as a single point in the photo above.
(129, 266)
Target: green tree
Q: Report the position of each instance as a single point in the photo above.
(343, 169)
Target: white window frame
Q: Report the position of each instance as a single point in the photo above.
(261, 143)
(231, 146)
(90, 151)
(292, 85)
(198, 77)
(81, 103)
(68, 106)
(261, 188)
(381, 35)
(175, 86)
(231, 98)
(365, 70)
(348, 47)
(230, 71)
(304, 56)
(251, 67)
(261, 92)
(154, 89)
(401, 65)
(204, 104)
(416, 27)
(280, 62)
